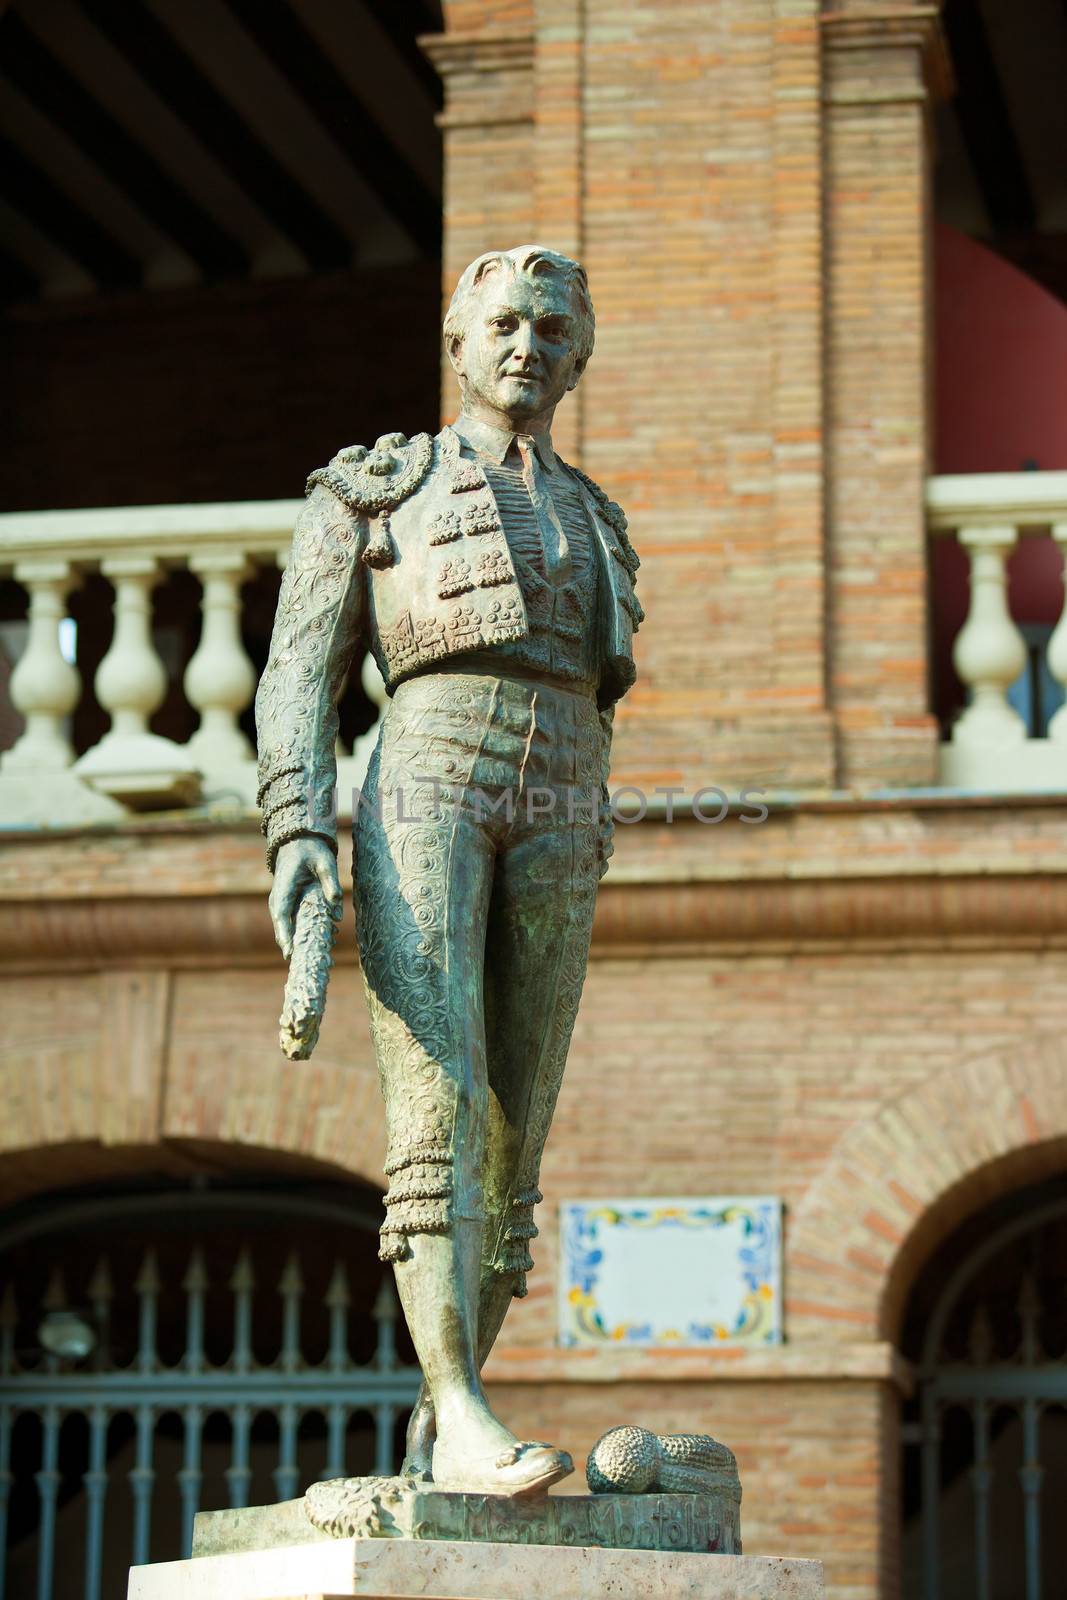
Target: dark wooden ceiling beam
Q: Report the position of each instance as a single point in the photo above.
(308, 70)
(403, 21)
(60, 97)
(29, 190)
(161, 61)
(17, 282)
(985, 121)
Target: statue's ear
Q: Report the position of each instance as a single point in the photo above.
(454, 347)
(579, 368)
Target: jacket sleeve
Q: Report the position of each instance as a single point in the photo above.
(318, 623)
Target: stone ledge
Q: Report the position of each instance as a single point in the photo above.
(823, 1363)
(393, 1569)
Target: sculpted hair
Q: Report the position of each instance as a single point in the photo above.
(529, 261)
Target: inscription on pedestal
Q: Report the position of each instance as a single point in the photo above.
(679, 1522)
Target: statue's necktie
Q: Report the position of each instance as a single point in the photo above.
(553, 539)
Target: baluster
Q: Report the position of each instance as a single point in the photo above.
(142, 1477)
(1031, 1474)
(130, 763)
(195, 1285)
(982, 1479)
(95, 1482)
(239, 1472)
(989, 652)
(47, 1492)
(286, 1474)
(220, 679)
(1056, 654)
(384, 1422)
(147, 1287)
(338, 1301)
(385, 1314)
(242, 1284)
(931, 1495)
(100, 1295)
(191, 1475)
(291, 1288)
(44, 687)
(7, 1478)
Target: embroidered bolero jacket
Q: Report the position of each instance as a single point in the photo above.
(401, 548)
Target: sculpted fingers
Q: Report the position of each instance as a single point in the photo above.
(282, 906)
(326, 872)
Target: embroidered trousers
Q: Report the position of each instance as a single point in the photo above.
(475, 882)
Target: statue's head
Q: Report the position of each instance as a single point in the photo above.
(519, 332)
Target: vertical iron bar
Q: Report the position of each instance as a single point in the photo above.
(195, 1285)
(48, 1490)
(142, 1477)
(95, 1482)
(191, 1475)
(7, 1420)
(338, 1300)
(239, 1472)
(931, 1494)
(242, 1283)
(336, 1420)
(385, 1314)
(1030, 1475)
(147, 1287)
(100, 1290)
(982, 1477)
(291, 1288)
(286, 1474)
(9, 1316)
(384, 1419)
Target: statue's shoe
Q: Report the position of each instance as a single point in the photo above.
(526, 1467)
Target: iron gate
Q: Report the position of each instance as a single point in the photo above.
(992, 1393)
(97, 1353)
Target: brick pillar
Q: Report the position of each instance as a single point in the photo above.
(485, 61)
(677, 150)
(879, 65)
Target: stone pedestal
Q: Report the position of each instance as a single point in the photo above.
(398, 1569)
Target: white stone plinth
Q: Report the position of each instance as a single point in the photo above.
(397, 1569)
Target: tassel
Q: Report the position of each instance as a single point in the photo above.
(379, 551)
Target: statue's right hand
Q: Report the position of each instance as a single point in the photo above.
(301, 863)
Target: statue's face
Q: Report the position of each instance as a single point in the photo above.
(516, 360)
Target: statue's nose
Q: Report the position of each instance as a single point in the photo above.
(524, 343)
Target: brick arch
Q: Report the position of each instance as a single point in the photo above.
(901, 1180)
(91, 1104)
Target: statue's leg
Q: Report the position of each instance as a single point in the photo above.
(537, 948)
(423, 876)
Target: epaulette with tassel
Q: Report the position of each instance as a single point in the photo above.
(375, 482)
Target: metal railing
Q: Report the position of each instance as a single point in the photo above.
(79, 1364)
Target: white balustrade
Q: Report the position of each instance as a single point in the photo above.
(990, 748)
(136, 547)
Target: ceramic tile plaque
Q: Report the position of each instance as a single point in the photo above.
(671, 1273)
